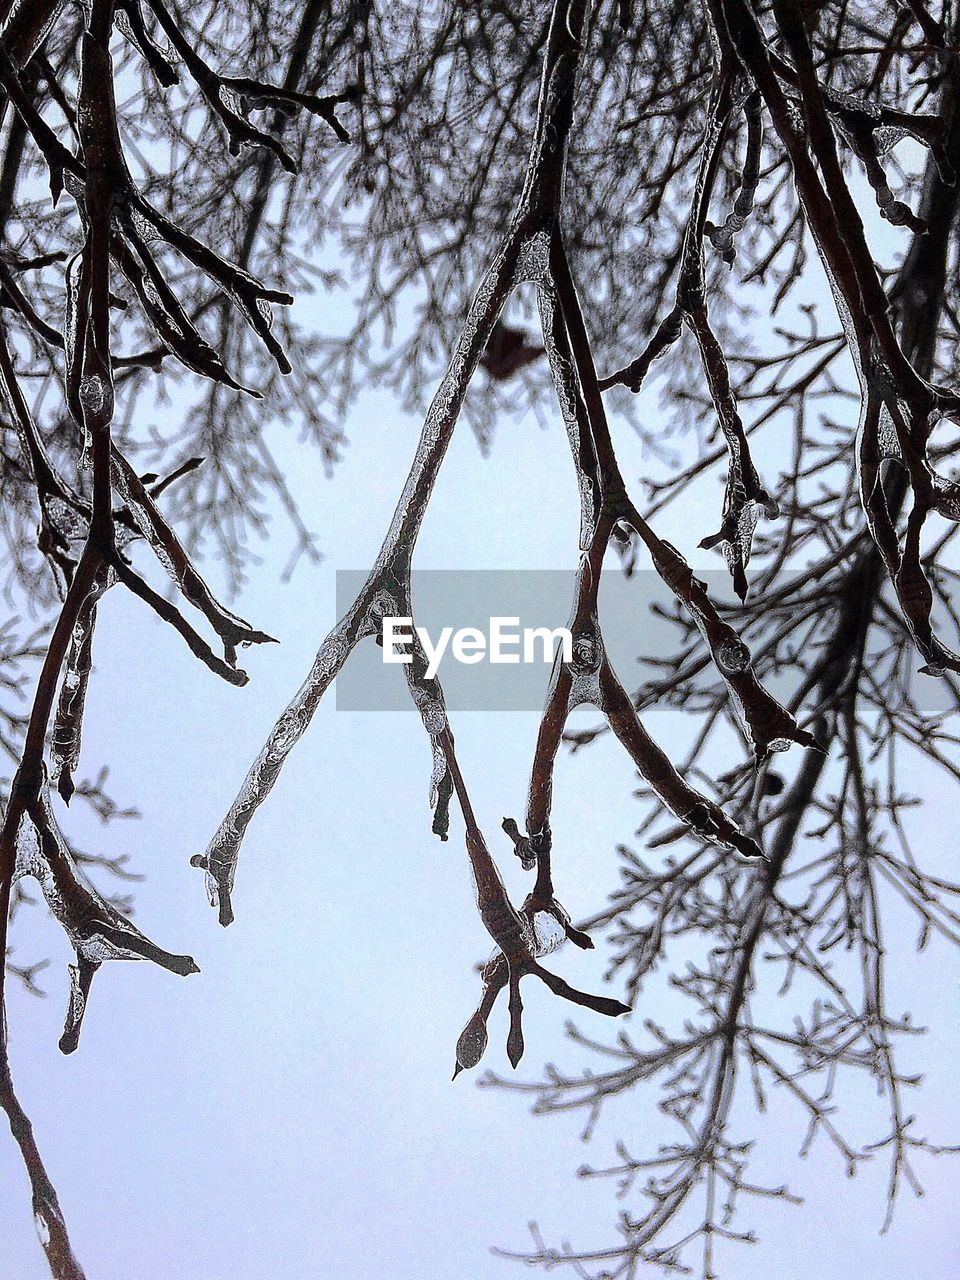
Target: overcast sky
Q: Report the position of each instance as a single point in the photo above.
(289, 1112)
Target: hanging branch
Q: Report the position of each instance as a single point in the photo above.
(887, 377)
(518, 257)
(388, 584)
(82, 535)
(531, 250)
(827, 858)
(723, 238)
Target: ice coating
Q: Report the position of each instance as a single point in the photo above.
(533, 260)
(472, 1042)
(762, 716)
(74, 329)
(378, 596)
(588, 677)
(94, 926)
(732, 656)
(383, 605)
(698, 812)
(42, 1224)
(522, 254)
(27, 853)
(50, 1227)
(148, 234)
(547, 933)
(887, 441)
(889, 430)
(568, 392)
(724, 237)
(66, 519)
(429, 702)
(438, 773)
(231, 629)
(587, 658)
(947, 497)
(155, 304)
(137, 223)
(230, 98)
(427, 696)
(95, 394)
(22, 50)
(744, 495)
(541, 932)
(444, 411)
(871, 130)
(245, 291)
(171, 323)
(96, 929)
(895, 401)
(68, 722)
(219, 861)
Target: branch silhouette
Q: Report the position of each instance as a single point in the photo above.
(582, 150)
